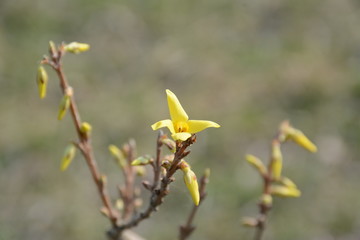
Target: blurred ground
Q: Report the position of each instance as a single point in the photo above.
(244, 64)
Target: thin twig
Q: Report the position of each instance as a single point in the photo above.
(158, 194)
(129, 175)
(84, 143)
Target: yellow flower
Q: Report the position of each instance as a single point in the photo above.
(180, 126)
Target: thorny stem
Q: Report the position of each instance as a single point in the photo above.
(186, 230)
(84, 143)
(158, 194)
(267, 180)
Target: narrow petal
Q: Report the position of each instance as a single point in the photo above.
(177, 112)
(183, 136)
(164, 123)
(199, 125)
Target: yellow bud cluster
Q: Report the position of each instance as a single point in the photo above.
(76, 47)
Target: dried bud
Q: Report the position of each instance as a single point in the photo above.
(192, 184)
(143, 160)
(266, 199)
(283, 191)
(257, 163)
(76, 47)
(277, 160)
(147, 185)
(166, 165)
(42, 80)
(249, 222)
(138, 202)
(118, 155)
(169, 143)
(69, 155)
(65, 103)
(85, 128)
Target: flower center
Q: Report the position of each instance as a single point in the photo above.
(181, 127)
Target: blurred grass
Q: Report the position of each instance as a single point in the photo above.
(244, 64)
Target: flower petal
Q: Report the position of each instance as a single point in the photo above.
(182, 136)
(164, 123)
(177, 112)
(199, 125)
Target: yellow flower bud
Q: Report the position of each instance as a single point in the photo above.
(118, 155)
(300, 138)
(256, 163)
(143, 160)
(276, 161)
(297, 136)
(42, 80)
(140, 171)
(65, 103)
(69, 155)
(76, 47)
(266, 199)
(192, 185)
(52, 48)
(287, 182)
(249, 222)
(85, 128)
(283, 191)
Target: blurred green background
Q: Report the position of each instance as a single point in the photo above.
(246, 64)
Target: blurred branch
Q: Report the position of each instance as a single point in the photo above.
(84, 139)
(158, 194)
(274, 183)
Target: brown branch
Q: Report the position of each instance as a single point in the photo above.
(158, 194)
(84, 139)
(129, 176)
(186, 230)
(157, 164)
